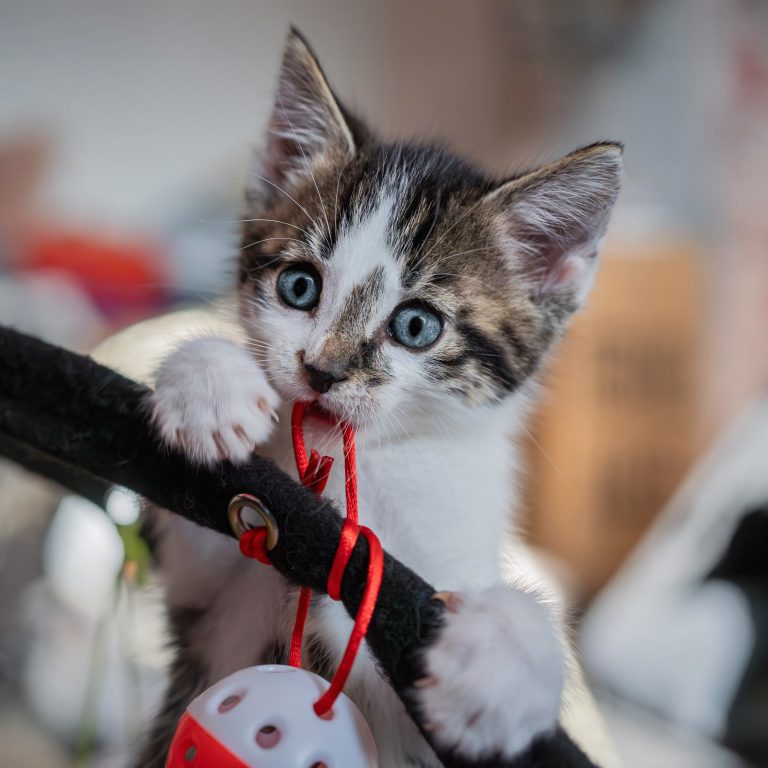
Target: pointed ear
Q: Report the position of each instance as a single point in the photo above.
(553, 220)
(307, 120)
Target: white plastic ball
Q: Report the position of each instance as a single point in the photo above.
(264, 716)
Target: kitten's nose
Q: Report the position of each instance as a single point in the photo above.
(322, 381)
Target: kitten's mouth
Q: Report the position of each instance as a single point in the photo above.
(337, 407)
(318, 408)
(324, 406)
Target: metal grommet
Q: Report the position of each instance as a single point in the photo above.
(240, 524)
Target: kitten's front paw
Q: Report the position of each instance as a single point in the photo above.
(495, 674)
(212, 401)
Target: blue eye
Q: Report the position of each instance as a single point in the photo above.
(299, 287)
(415, 327)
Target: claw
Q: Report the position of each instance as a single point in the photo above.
(452, 600)
(220, 447)
(240, 432)
(266, 408)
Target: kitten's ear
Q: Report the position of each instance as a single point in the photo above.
(553, 220)
(307, 120)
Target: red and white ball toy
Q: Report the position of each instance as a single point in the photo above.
(262, 717)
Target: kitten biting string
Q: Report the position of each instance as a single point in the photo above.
(415, 297)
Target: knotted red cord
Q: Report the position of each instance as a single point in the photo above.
(313, 472)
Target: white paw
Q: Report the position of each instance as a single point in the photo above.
(495, 674)
(212, 401)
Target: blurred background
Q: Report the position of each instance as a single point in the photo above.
(125, 129)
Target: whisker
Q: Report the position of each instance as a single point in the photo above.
(546, 455)
(442, 237)
(336, 197)
(246, 221)
(267, 239)
(470, 250)
(292, 199)
(306, 161)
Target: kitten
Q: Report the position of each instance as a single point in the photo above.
(411, 294)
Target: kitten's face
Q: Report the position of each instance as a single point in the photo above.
(395, 283)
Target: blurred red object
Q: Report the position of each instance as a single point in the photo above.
(124, 279)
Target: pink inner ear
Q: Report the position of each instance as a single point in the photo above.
(571, 272)
(565, 272)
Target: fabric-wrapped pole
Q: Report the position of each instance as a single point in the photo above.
(84, 425)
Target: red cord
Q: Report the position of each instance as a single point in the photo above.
(253, 543)
(362, 620)
(302, 609)
(314, 472)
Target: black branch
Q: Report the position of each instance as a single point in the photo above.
(85, 426)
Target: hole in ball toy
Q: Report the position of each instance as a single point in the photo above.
(268, 736)
(230, 702)
(190, 754)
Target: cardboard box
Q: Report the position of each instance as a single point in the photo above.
(618, 427)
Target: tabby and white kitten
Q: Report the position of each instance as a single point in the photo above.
(409, 293)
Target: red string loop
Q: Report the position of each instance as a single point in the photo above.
(253, 543)
(314, 471)
(362, 620)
